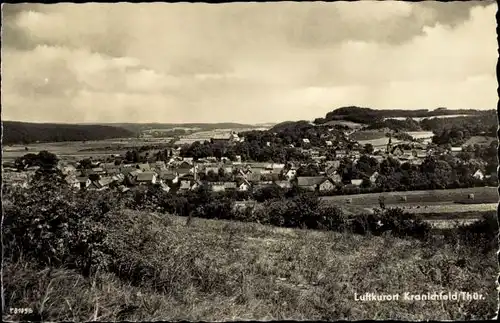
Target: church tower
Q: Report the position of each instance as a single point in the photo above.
(389, 145)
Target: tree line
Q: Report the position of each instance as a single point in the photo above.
(27, 133)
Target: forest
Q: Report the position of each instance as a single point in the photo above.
(27, 133)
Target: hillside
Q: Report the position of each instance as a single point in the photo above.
(221, 270)
(15, 132)
(138, 127)
(369, 116)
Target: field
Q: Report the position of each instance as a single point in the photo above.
(79, 149)
(378, 139)
(201, 136)
(216, 270)
(480, 140)
(433, 117)
(364, 135)
(422, 202)
(350, 124)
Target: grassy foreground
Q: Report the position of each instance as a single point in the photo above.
(219, 270)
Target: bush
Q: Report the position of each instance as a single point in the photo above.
(394, 220)
(53, 226)
(483, 233)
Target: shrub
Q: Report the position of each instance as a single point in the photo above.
(52, 226)
(482, 233)
(394, 220)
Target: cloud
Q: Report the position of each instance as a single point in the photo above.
(243, 62)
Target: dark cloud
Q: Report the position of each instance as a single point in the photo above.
(246, 62)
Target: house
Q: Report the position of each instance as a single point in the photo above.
(340, 153)
(105, 181)
(68, 169)
(326, 185)
(374, 177)
(421, 154)
(97, 186)
(253, 177)
(330, 171)
(478, 175)
(277, 166)
(318, 159)
(73, 182)
(112, 171)
(356, 182)
(107, 166)
(333, 164)
(263, 184)
(164, 187)
(127, 170)
(233, 137)
(118, 178)
(329, 143)
(335, 177)
(160, 165)
(188, 160)
(98, 171)
(84, 182)
(291, 173)
(170, 176)
(270, 177)
(309, 182)
(223, 138)
(185, 164)
(243, 185)
(217, 187)
(223, 186)
(196, 184)
(456, 150)
(146, 178)
(214, 169)
(134, 173)
(306, 141)
(314, 153)
(230, 186)
(398, 151)
(123, 188)
(144, 167)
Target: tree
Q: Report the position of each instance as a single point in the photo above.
(368, 149)
(85, 163)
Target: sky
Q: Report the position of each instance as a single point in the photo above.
(243, 62)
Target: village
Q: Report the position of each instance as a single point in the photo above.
(182, 174)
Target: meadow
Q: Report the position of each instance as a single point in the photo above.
(433, 117)
(76, 150)
(480, 140)
(350, 124)
(436, 205)
(486, 194)
(377, 138)
(215, 270)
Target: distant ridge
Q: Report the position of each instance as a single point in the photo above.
(16, 132)
(370, 116)
(138, 127)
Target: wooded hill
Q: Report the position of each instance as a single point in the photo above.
(371, 116)
(15, 132)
